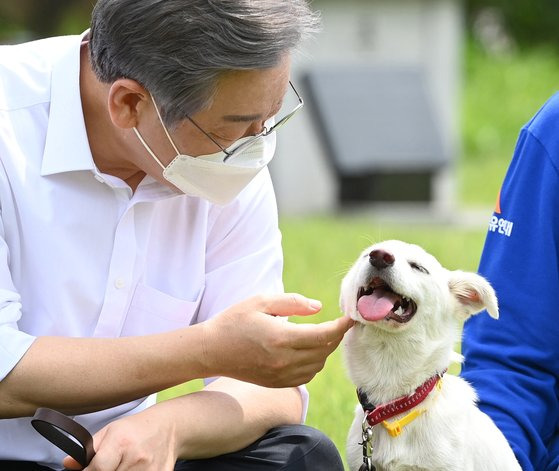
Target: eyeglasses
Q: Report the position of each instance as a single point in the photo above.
(229, 153)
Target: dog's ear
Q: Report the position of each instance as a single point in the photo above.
(473, 294)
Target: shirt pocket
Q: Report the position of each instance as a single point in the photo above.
(151, 312)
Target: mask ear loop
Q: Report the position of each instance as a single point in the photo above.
(163, 125)
(145, 144)
(148, 148)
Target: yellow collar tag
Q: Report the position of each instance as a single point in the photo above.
(395, 427)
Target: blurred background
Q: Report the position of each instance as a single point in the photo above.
(411, 104)
(412, 111)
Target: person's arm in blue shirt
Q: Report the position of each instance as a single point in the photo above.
(514, 362)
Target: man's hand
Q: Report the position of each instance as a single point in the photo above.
(247, 341)
(142, 442)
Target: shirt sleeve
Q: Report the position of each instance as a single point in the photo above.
(514, 362)
(13, 343)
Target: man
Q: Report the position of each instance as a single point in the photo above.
(140, 246)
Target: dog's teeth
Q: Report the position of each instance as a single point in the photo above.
(399, 311)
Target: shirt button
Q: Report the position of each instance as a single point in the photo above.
(120, 283)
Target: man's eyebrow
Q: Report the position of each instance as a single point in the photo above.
(241, 118)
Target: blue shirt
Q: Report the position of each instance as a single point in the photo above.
(514, 362)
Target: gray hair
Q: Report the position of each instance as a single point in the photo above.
(178, 49)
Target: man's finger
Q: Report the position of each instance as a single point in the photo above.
(286, 304)
(71, 463)
(320, 335)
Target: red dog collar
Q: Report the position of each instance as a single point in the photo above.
(376, 414)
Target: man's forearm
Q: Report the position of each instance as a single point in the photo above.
(227, 415)
(79, 376)
(246, 342)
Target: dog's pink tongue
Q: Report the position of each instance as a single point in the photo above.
(376, 306)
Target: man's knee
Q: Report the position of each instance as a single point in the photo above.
(285, 448)
(306, 448)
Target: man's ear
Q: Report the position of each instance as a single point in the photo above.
(127, 99)
(473, 293)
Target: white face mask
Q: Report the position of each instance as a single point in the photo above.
(208, 176)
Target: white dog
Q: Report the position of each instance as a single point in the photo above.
(409, 311)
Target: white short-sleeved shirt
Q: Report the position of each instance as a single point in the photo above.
(83, 256)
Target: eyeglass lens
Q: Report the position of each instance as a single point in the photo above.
(291, 104)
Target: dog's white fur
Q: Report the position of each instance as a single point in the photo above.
(387, 360)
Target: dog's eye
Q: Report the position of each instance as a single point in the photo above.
(418, 267)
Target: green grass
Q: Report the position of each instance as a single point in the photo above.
(500, 94)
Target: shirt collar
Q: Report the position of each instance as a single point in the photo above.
(67, 147)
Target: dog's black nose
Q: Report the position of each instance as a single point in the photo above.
(381, 259)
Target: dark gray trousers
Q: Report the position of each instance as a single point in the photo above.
(286, 448)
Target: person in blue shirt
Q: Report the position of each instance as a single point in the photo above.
(514, 362)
